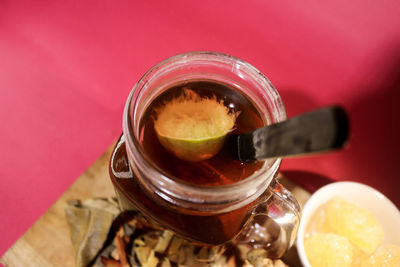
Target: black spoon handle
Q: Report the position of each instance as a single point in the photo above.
(317, 131)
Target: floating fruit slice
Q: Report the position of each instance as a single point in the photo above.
(385, 256)
(357, 224)
(193, 128)
(327, 249)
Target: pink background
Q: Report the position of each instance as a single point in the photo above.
(67, 67)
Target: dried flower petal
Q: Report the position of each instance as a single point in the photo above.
(121, 249)
(115, 254)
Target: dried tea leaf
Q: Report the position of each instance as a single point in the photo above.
(140, 222)
(255, 254)
(166, 263)
(175, 245)
(265, 262)
(215, 252)
(247, 264)
(259, 258)
(163, 242)
(105, 252)
(109, 205)
(110, 263)
(140, 242)
(222, 261)
(144, 244)
(231, 262)
(142, 253)
(185, 256)
(152, 260)
(210, 254)
(279, 263)
(202, 255)
(149, 239)
(89, 224)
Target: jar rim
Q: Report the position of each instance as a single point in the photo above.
(246, 189)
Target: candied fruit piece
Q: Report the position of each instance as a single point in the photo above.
(330, 250)
(384, 256)
(357, 224)
(317, 222)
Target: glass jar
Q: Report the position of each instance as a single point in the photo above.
(255, 210)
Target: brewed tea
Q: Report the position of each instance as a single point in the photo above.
(222, 169)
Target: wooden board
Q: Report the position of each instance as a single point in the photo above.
(47, 243)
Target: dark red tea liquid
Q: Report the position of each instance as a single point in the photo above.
(222, 169)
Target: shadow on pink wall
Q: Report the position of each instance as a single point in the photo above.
(372, 156)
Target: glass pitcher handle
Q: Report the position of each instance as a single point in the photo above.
(274, 222)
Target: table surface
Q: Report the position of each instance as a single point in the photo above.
(67, 67)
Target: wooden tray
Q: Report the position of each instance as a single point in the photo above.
(47, 243)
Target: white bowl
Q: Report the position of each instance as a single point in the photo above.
(362, 195)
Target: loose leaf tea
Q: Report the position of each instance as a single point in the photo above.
(114, 239)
